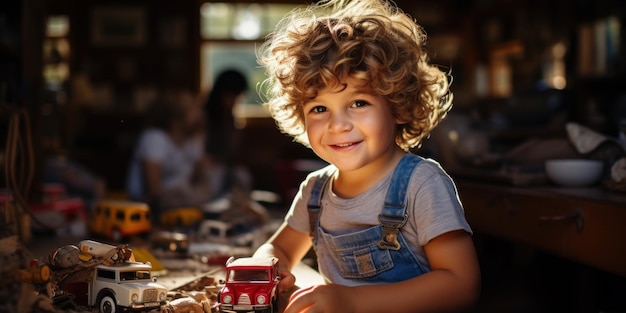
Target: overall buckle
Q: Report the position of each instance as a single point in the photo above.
(391, 227)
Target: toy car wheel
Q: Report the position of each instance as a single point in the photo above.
(107, 305)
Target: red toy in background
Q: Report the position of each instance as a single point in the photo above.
(53, 209)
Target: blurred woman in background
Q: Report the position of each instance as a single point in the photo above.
(167, 167)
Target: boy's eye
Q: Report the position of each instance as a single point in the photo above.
(318, 109)
(359, 103)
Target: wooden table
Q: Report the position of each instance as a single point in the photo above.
(587, 225)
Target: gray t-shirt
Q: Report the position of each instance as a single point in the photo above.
(433, 207)
(177, 162)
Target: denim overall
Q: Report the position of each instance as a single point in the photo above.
(378, 254)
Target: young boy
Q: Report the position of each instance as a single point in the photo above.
(388, 229)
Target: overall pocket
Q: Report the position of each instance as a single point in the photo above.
(357, 255)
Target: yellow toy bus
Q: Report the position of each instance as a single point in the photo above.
(117, 219)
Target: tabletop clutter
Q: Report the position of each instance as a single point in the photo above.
(96, 277)
(603, 159)
(583, 158)
(165, 270)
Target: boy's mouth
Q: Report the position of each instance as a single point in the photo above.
(343, 145)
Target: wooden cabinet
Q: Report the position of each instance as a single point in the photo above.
(585, 225)
(602, 241)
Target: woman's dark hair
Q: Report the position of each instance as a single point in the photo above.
(227, 82)
(219, 120)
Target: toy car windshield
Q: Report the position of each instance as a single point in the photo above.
(134, 275)
(249, 275)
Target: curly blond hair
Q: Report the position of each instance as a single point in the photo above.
(321, 45)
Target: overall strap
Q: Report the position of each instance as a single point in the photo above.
(315, 203)
(394, 215)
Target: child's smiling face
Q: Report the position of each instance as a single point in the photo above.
(350, 127)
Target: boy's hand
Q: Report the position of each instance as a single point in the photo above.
(321, 299)
(287, 281)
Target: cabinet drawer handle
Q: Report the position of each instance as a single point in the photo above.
(576, 216)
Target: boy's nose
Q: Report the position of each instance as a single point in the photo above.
(339, 123)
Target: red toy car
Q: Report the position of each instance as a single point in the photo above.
(250, 285)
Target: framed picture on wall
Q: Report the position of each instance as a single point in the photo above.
(118, 26)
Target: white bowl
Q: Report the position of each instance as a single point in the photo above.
(574, 172)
